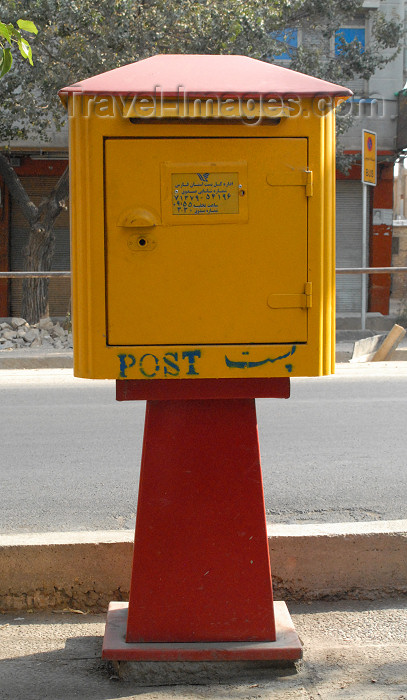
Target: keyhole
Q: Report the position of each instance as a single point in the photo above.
(142, 242)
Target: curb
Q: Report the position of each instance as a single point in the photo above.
(26, 359)
(359, 560)
(86, 570)
(31, 359)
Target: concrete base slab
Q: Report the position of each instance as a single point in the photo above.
(287, 646)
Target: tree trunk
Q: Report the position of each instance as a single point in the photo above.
(41, 243)
(38, 256)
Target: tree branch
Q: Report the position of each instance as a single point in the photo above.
(56, 202)
(44, 47)
(17, 191)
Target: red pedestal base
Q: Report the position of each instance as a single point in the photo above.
(201, 585)
(287, 646)
(201, 569)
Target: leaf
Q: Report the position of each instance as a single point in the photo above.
(14, 32)
(25, 50)
(4, 32)
(27, 26)
(7, 62)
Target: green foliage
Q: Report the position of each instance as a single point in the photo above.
(78, 39)
(10, 35)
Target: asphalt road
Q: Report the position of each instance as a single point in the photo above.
(69, 453)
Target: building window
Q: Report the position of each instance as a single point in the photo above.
(347, 35)
(286, 39)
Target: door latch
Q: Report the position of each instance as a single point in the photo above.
(292, 301)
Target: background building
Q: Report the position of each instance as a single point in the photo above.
(375, 106)
(39, 169)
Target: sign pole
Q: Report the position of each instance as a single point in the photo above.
(369, 177)
(364, 257)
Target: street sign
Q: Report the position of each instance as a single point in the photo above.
(369, 177)
(369, 158)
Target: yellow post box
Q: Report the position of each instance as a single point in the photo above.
(202, 192)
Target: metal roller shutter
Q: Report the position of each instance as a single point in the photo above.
(59, 289)
(348, 244)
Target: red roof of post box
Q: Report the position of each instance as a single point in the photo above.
(194, 75)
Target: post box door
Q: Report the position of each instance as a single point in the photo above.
(206, 240)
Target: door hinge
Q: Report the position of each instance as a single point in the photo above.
(292, 301)
(309, 183)
(308, 294)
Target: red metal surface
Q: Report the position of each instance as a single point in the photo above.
(380, 237)
(30, 166)
(133, 389)
(287, 646)
(380, 152)
(380, 242)
(354, 172)
(201, 570)
(173, 74)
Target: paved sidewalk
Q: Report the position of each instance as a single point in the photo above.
(352, 650)
(38, 358)
(45, 358)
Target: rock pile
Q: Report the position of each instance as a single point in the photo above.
(16, 333)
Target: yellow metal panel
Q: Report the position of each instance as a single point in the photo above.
(116, 209)
(136, 218)
(184, 282)
(287, 301)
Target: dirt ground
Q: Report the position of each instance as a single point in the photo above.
(352, 649)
